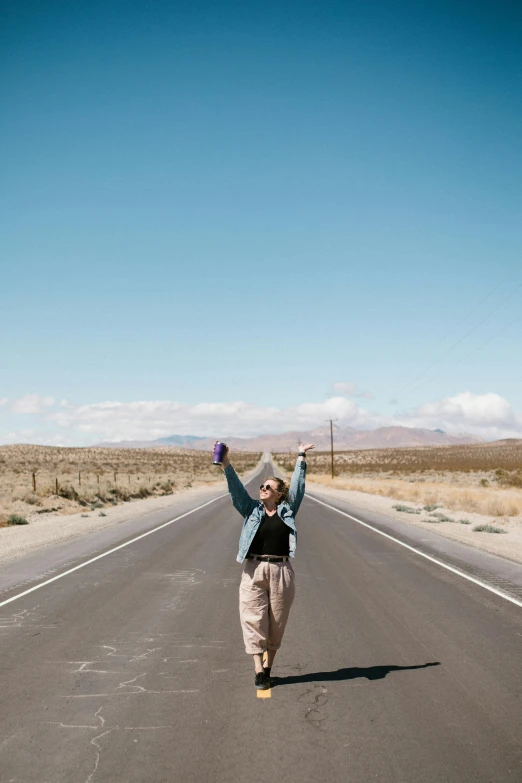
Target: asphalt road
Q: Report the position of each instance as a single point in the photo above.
(133, 668)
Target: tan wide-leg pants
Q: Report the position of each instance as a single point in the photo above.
(266, 593)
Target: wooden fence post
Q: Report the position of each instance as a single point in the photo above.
(56, 484)
(34, 480)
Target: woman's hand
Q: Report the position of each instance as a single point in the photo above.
(307, 447)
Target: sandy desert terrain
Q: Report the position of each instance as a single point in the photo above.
(470, 493)
(36, 481)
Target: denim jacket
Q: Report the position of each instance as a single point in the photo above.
(253, 511)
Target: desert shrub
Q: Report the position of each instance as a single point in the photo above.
(484, 482)
(488, 529)
(32, 499)
(102, 514)
(508, 478)
(442, 517)
(431, 506)
(406, 509)
(143, 492)
(167, 487)
(16, 519)
(513, 509)
(496, 507)
(466, 501)
(96, 504)
(464, 522)
(119, 494)
(68, 492)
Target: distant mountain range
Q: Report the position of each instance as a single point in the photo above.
(344, 438)
(181, 441)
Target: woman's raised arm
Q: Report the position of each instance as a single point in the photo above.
(241, 500)
(297, 482)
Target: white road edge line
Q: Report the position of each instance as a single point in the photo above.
(110, 551)
(463, 574)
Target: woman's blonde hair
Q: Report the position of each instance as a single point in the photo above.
(282, 486)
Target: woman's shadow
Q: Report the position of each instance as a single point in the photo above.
(349, 673)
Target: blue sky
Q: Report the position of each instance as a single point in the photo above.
(259, 207)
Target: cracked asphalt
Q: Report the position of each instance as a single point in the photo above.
(133, 668)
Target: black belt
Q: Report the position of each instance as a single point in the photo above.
(268, 558)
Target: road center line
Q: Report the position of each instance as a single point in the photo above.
(435, 560)
(110, 551)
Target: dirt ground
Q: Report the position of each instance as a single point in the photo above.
(37, 481)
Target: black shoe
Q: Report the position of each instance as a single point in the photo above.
(261, 681)
(267, 675)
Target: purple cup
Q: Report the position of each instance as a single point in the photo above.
(219, 453)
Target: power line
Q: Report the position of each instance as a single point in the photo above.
(461, 339)
(470, 353)
(452, 330)
(493, 337)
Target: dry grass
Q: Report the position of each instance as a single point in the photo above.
(503, 458)
(97, 477)
(487, 501)
(484, 478)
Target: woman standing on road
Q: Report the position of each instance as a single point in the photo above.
(267, 542)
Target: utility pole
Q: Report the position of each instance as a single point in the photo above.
(331, 444)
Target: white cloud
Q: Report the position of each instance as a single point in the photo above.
(3, 401)
(352, 390)
(20, 436)
(31, 403)
(147, 420)
(37, 438)
(488, 415)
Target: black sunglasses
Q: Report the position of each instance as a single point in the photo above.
(267, 486)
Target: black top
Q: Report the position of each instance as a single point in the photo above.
(272, 537)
